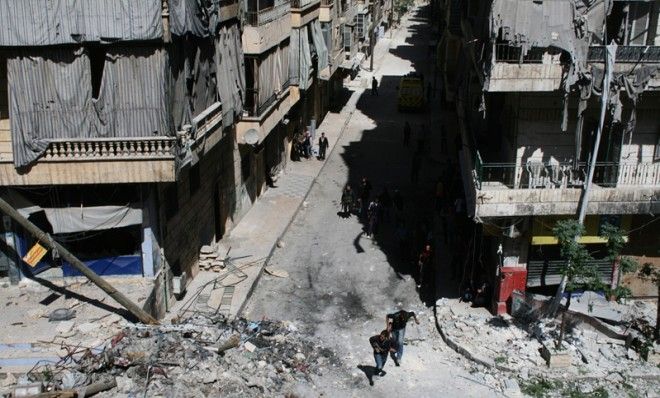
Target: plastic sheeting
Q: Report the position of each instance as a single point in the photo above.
(300, 58)
(323, 57)
(97, 218)
(51, 97)
(49, 22)
(230, 65)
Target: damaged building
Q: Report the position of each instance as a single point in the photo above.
(134, 133)
(527, 79)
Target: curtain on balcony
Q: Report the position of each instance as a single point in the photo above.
(300, 59)
(193, 77)
(51, 97)
(319, 46)
(270, 76)
(132, 100)
(230, 66)
(42, 23)
(198, 17)
(50, 94)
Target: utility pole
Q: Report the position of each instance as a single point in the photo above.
(47, 241)
(610, 59)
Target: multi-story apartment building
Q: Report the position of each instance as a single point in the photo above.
(526, 78)
(136, 134)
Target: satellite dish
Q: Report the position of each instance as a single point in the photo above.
(251, 136)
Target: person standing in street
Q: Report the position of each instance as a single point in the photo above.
(347, 201)
(374, 86)
(307, 145)
(396, 324)
(373, 217)
(383, 345)
(406, 134)
(365, 193)
(323, 146)
(423, 262)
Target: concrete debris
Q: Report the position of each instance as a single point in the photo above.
(61, 314)
(173, 360)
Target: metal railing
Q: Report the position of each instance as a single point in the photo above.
(549, 175)
(110, 148)
(627, 54)
(262, 16)
(300, 4)
(512, 54)
(253, 106)
(548, 272)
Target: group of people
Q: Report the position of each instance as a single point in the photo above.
(373, 209)
(303, 146)
(389, 342)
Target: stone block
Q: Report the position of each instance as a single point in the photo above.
(556, 359)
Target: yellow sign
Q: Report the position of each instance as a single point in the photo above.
(35, 255)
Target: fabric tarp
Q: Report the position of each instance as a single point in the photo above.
(51, 97)
(78, 219)
(322, 55)
(198, 17)
(49, 22)
(274, 72)
(230, 66)
(300, 58)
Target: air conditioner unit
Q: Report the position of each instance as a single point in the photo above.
(179, 284)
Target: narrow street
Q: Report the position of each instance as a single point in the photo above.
(340, 283)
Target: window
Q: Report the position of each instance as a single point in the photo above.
(171, 200)
(194, 179)
(656, 153)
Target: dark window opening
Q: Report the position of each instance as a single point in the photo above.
(96, 64)
(194, 179)
(171, 201)
(92, 245)
(246, 166)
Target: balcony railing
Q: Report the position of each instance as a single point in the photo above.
(300, 4)
(627, 54)
(252, 105)
(512, 54)
(262, 16)
(547, 175)
(110, 149)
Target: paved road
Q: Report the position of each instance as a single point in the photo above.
(341, 284)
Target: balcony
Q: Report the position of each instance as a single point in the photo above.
(265, 25)
(266, 12)
(539, 69)
(96, 160)
(555, 188)
(303, 12)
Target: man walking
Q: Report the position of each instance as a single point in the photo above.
(323, 146)
(374, 86)
(382, 344)
(396, 324)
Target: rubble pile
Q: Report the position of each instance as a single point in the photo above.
(198, 358)
(503, 347)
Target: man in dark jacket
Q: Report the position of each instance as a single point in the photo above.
(396, 324)
(382, 344)
(323, 146)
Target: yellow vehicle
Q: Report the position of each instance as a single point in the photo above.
(411, 93)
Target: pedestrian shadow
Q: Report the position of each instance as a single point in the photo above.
(369, 371)
(343, 214)
(356, 243)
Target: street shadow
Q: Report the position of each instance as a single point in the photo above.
(382, 156)
(356, 243)
(369, 372)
